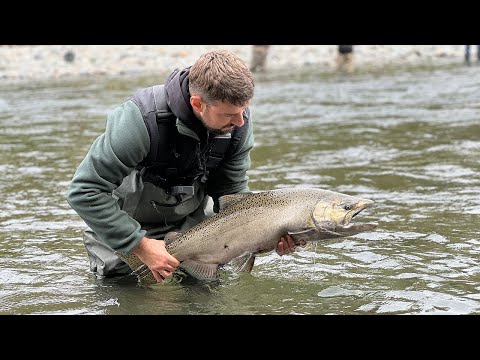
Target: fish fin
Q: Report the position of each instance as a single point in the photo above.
(305, 235)
(227, 200)
(143, 272)
(243, 263)
(171, 237)
(200, 270)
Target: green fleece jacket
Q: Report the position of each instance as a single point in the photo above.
(114, 155)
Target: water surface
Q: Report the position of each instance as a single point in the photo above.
(409, 140)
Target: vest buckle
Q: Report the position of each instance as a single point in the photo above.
(182, 190)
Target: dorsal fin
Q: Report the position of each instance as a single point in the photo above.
(227, 200)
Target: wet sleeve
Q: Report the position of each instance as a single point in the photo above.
(112, 156)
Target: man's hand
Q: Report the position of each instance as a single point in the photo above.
(153, 254)
(287, 245)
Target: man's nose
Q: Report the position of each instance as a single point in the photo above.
(238, 120)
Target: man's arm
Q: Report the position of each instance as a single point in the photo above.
(112, 156)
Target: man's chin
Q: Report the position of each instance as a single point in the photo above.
(223, 131)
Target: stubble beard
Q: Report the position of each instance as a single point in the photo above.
(223, 131)
(217, 132)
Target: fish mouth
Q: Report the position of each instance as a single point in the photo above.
(333, 227)
(350, 227)
(357, 227)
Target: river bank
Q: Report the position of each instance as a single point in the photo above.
(43, 62)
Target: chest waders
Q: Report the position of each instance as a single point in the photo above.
(167, 190)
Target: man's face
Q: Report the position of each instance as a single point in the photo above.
(221, 117)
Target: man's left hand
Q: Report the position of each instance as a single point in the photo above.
(287, 245)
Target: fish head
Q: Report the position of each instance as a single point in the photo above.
(333, 217)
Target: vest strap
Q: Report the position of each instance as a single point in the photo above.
(217, 151)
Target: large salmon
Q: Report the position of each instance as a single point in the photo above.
(252, 223)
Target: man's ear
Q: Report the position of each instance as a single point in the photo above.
(196, 103)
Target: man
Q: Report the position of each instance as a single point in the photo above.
(344, 58)
(467, 54)
(166, 153)
(259, 58)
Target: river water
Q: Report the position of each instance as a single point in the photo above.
(409, 140)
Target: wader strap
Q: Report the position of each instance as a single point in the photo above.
(151, 122)
(160, 101)
(160, 123)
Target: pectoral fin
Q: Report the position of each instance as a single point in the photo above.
(306, 235)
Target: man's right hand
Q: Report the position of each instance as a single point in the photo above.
(153, 254)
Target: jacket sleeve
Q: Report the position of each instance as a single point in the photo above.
(231, 175)
(112, 156)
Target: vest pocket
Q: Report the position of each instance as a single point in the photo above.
(158, 207)
(152, 205)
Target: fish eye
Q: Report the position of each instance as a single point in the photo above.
(347, 206)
